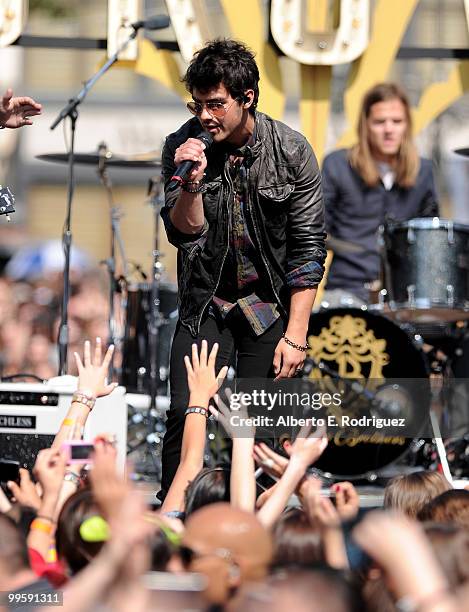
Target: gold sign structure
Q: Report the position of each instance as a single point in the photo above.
(314, 33)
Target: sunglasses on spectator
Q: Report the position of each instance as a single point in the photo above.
(216, 109)
(188, 555)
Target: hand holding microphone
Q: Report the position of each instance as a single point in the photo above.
(190, 160)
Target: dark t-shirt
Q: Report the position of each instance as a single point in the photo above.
(354, 212)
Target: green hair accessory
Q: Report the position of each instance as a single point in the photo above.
(94, 529)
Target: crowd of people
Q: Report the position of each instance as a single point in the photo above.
(219, 542)
(30, 317)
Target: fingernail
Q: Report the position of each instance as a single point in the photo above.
(98, 340)
(337, 488)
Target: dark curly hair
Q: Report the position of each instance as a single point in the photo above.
(224, 61)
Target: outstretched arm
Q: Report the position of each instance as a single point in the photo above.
(203, 383)
(15, 112)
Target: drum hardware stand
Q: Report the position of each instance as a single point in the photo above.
(155, 424)
(110, 262)
(71, 110)
(440, 447)
(384, 294)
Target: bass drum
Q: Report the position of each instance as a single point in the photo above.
(359, 345)
(136, 350)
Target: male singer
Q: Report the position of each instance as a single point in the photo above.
(249, 228)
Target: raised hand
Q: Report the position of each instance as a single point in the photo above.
(25, 493)
(224, 415)
(49, 469)
(92, 371)
(202, 380)
(271, 462)
(109, 489)
(346, 500)
(17, 112)
(400, 547)
(319, 508)
(308, 447)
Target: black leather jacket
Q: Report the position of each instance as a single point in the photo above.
(286, 206)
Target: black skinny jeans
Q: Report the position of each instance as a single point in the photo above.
(251, 355)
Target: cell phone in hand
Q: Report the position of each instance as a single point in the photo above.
(9, 470)
(78, 451)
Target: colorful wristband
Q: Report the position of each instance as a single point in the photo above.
(41, 525)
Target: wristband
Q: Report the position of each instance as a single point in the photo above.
(41, 525)
(85, 399)
(197, 410)
(298, 347)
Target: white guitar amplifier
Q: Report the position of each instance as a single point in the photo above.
(31, 415)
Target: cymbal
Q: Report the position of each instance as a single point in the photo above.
(338, 245)
(464, 151)
(143, 160)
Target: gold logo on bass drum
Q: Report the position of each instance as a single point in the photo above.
(349, 344)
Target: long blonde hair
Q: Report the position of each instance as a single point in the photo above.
(360, 157)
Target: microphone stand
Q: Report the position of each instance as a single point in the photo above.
(71, 111)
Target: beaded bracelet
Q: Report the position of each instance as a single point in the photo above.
(299, 347)
(194, 187)
(197, 410)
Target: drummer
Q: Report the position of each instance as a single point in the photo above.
(379, 180)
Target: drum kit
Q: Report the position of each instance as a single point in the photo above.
(413, 326)
(420, 312)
